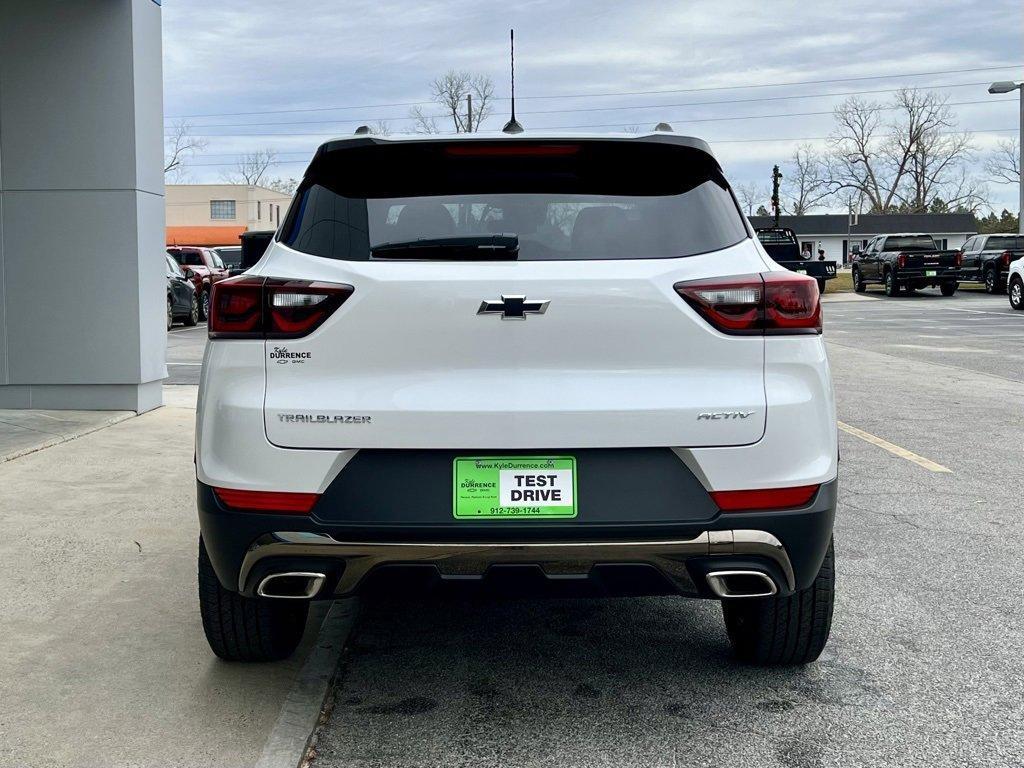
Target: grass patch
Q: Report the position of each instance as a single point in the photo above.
(841, 283)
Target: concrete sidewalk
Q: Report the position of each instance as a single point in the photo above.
(102, 656)
(25, 431)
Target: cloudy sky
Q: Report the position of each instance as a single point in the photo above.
(753, 78)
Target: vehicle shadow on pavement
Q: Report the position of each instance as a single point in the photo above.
(584, 682)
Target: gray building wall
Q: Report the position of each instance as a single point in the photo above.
(82, 286)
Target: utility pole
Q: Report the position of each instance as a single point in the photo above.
(776, 178)
(469, 113)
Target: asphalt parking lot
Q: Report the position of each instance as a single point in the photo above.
(923, 666)
(970, 330)
(185, 348)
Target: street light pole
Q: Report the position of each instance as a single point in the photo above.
(1009, 86)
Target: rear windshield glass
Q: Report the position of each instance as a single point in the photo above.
(775, 236)
(230, 255)
(1005, 243)
(582, 200)
(188, 258)
(910, 243)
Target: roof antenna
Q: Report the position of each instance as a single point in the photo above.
(513, 126)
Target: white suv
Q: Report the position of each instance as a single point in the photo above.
(516, 362)
(1015, 284)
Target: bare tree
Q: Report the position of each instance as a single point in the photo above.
(252, 167)
(423, 122)
(1003, 165)
(805, 185)
(904, 164)
(451, 93)
(751, 196)
(180, 145)
(381, 128)
(284, 186)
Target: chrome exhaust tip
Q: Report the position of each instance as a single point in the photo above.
(291, 585)
(732, 584)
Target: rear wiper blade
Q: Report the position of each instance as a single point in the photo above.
(462, 248)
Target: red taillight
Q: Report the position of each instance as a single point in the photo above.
(1006, 258)
(959, 258)
(901, 260)
(511, 150)
(236, 308)
(770, 303)
(267, 501)
(271, 308)
(767, 498)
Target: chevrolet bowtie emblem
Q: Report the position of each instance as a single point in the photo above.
(513, 307)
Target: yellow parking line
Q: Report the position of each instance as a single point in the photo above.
(894, 449)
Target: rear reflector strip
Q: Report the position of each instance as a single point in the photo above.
(767, 498)
(267, 501)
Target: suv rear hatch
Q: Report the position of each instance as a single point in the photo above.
(514, 294)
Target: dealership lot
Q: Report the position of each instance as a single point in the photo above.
(922, 668)
(914, 652)
(970, 330)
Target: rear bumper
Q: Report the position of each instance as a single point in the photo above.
(658, 557)
(942, 274)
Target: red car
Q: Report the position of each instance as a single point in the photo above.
(206, 268)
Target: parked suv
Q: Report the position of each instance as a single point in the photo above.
(1015, 284)
(987, 258)
(182, 303)
(516, 361)
(204, 263)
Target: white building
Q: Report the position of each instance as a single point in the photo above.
(835, 232)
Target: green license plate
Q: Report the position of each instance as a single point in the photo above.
(930, 273)
(538, 487)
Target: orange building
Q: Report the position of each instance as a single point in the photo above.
(216, 214)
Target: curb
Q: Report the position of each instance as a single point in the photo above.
(290, 737)
(58, 439)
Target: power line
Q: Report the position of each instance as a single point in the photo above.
(598, 109)
(610, 125)
(711, 141)
(609, 94)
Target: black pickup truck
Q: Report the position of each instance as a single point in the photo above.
(987, 258)
(904, 263)
(781, 244)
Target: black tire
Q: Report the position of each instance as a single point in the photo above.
(170, 314)
(948, 289)
(204, 304)
(858, 282)
(242, 628)
(892, 288)
(991, 280)
(1016, 293)
(192, 318)
(784, 630)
